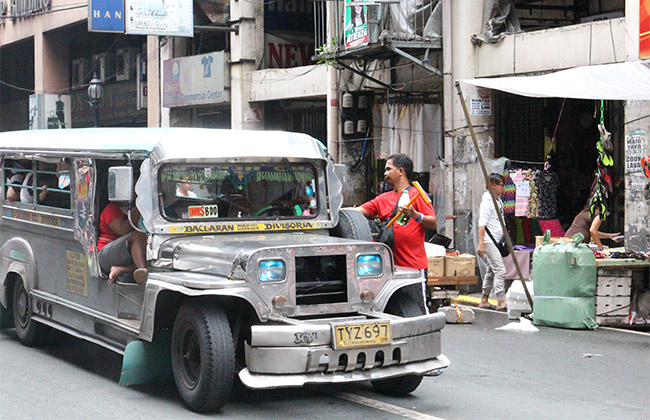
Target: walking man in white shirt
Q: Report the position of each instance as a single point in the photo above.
(487, 249)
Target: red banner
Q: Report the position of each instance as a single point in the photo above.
(644, 29)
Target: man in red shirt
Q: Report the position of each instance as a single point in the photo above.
(408, 246)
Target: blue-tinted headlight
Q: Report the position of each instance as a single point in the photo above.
(271, 271)
(369, 265)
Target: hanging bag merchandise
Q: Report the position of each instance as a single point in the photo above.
(387, 235)
(502, 245)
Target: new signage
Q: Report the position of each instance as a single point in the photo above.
(195, 80)
(159, 17)
(106, 16)
(356, 27)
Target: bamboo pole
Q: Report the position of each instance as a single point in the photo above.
(494, 198)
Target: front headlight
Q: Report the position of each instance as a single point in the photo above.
(369, 265)
(270, 271)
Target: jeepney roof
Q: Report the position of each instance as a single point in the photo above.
(171, 142)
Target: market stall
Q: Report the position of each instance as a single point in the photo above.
(531, 182)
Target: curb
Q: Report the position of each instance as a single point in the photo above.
(471, 301)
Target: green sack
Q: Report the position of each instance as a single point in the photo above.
(565, 312)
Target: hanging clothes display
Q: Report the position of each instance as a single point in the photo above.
(533, 201)
(508, 196)
(547, 185)
(522, 192)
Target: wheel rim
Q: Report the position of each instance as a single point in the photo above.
(22, 307)
(190, 358)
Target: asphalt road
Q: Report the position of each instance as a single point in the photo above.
(550, 374)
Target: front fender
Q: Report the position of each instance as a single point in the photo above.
(402, 277)
(159, 282)
(17, 257)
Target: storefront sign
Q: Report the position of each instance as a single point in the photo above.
(644, 29)
(287, 50)
(356, 27)
(634, 145)
(118, 107)
(106, 16)
(50, 111)
(158, 17)
(480, 106)
(195, 80)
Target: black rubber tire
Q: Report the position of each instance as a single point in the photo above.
(402, 305)
(203, 357)
(352, 225)
(30, 332)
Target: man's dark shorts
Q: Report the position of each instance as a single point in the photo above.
(115, 253)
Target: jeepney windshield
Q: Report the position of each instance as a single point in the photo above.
(238, 191)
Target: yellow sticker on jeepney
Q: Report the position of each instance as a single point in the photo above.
(255, 227)
(76, 273)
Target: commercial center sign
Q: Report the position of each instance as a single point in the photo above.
(195, 80)
(142, 17)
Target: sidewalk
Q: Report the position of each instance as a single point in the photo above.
(472, 299)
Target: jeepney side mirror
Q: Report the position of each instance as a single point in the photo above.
(120, 183)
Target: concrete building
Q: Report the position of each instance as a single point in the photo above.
(385, 84)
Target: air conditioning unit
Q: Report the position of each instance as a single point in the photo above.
(81, 73)
(125, 63)
(104, 66)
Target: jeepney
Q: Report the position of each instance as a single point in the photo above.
(256, 274)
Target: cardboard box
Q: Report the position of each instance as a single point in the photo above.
(436, 267)
(463, 265)
(539, 240)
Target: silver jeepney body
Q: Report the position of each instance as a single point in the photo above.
(292, 343)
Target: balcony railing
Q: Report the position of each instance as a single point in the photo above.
(362, 23)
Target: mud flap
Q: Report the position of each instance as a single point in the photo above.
(6, 317)
(145, 362)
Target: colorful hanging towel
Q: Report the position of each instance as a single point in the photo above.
(522, 192)
(533, 200)
(508, 196)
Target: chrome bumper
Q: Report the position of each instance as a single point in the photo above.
(294, 355)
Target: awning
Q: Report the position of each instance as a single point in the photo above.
(621, 81)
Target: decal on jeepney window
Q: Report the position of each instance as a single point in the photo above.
(255, 227)
(76, 273)
(201, 212)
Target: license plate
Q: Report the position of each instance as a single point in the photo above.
(361, 335)
(202, 212)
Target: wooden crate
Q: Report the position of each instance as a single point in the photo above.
(451, 281)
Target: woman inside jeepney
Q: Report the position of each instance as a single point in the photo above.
(121, 248)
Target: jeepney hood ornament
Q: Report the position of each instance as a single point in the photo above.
(228, 256)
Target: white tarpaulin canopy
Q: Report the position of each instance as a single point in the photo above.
(621, 81)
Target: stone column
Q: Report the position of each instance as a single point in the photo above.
(246, 51)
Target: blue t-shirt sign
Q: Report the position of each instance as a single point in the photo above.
(106, 16)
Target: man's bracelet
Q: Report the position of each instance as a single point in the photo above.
(420, 218)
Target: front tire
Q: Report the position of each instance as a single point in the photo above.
(405, 306)
(203, 357)
(30, 332)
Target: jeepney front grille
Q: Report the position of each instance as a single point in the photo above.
(321, 279)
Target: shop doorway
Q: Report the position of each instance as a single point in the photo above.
(524, 128)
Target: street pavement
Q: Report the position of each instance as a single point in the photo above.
(550, 374)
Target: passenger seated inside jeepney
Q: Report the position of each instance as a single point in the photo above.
(16, 171)
(121, 248)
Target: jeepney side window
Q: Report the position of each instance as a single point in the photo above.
(53, 184)
(15, 172)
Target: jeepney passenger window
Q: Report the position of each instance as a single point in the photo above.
(15, 172)
(51, 184)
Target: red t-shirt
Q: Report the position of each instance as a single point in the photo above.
(106, 234)
(408, 247)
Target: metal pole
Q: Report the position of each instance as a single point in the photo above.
(494, 198)
(96, 109)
